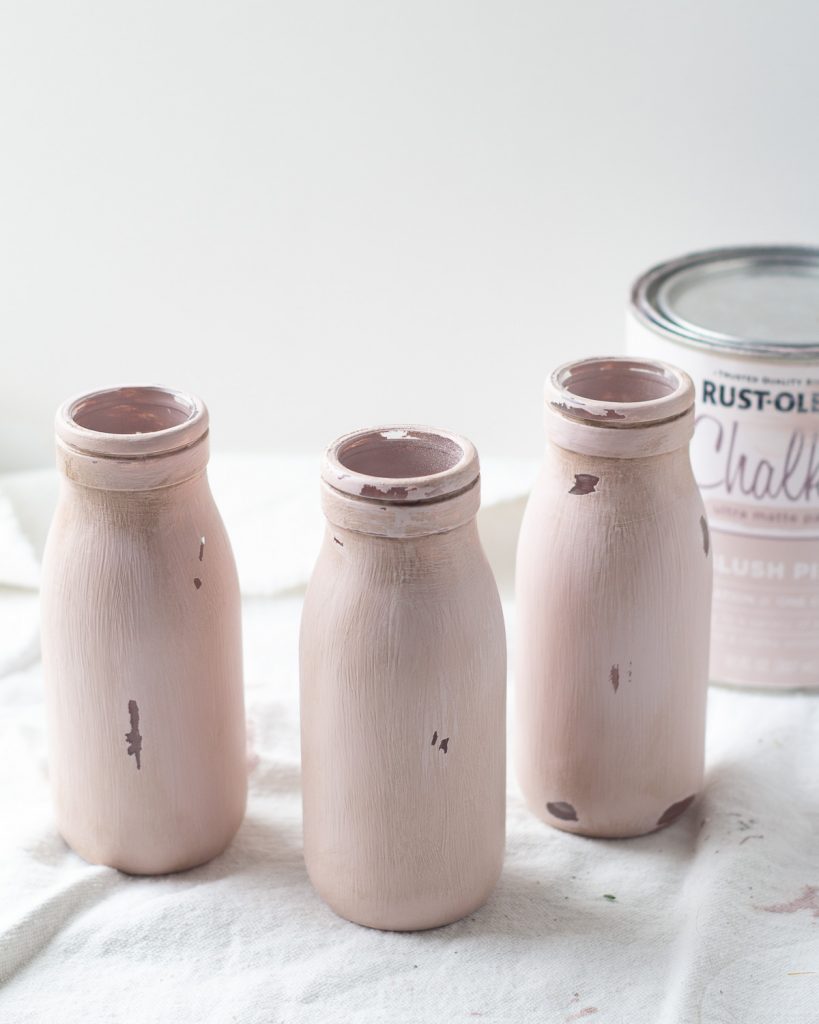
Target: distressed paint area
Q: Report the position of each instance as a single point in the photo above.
(134, 737)
(340, 543)
(197, 582)
(584, 483)
(809, 900)
(371, 491)
(201, 549)
(582, 412)
(397, 434)
(614, 677)
(434, 737)
(675, 810)
(444, 745)
(706, 536)
(560, 809)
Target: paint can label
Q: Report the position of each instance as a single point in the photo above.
(755, 455)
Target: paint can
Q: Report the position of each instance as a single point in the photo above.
(744, 323)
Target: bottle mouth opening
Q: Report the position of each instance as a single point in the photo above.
(399, 454)
(132, 410)
(132, 421)
(401, 464)
(620, 391)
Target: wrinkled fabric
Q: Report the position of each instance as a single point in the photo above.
(715, 919)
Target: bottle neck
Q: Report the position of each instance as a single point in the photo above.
(137, 508)
(618, 407)
(400, 481)
(636, 442)
(132, 438)
(400, 519)
(141, 473)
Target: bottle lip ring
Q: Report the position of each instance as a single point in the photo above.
(400, 464)
(104, 422)
(619, 392)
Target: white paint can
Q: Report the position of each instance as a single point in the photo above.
(744, 323)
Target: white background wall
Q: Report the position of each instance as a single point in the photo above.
(324, 214)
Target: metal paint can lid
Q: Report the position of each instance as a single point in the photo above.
(754, 300)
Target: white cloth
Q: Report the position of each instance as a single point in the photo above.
(715, 919)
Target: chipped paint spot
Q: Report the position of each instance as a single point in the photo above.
(371, 491)
(340, 544)
(201, 549)
(134, 737)
(584, 483)
(396, 434)
(587, 414)
(434, 738)
(706, 537)
(562, 810)
(675, 810)
(809, 900)
(614, 677)
(197, 582)
(444, 745)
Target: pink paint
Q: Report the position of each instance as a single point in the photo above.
(809, 900)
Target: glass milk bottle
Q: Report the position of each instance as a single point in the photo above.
(613, 604)
(403, 680)
(141, 637)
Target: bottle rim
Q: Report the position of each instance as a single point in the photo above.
(131, 422)
(619, 407)
(400, 481)
(400, 464)
(619, 392)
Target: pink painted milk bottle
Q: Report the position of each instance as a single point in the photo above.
(613, 604)
(403, 685)
(141, 637)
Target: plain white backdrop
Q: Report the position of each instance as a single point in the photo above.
(320, 215)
